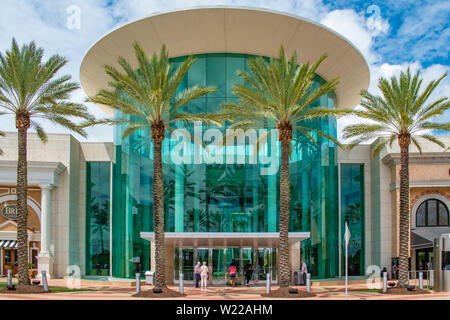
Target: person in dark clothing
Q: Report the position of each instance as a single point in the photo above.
(248, 272)
(383, 271)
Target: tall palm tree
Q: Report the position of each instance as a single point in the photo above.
(147, 95)
(276, 94)
(402, 112)
(30, 89)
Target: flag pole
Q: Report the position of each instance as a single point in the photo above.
(346, 261)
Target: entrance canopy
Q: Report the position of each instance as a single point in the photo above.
(9, 244)
(423, 237)
(225, 239)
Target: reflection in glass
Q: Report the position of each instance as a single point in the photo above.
(202, 197)
(432, 212)
(352, 212)
(420, 215)
(97, 218)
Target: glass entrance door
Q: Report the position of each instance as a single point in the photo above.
(217, 265)
(263, 263)
(202, 255)
(262, 260)
(184, 262)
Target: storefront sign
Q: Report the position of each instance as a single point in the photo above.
(9, 211)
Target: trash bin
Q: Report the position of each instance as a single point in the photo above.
(298, 278)
(149, 277)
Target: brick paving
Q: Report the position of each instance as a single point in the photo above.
(125, 292)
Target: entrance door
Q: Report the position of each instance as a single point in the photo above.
(263, 265)
(217, 265)
(423, 258)
(10, 261)
(202, 255)
(185, 263)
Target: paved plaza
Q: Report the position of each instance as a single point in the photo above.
(125, 291)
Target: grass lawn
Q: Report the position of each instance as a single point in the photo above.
(366, 290)
(51, 288)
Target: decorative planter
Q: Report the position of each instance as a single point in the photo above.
(32, 273)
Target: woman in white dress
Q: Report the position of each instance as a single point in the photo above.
(204, 274)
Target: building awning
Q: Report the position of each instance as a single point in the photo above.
(225, 239)
(424, 237)
(8, 244)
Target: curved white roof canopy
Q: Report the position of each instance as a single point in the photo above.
(235, 30)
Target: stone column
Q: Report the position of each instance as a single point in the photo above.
(295, 257)
(45, 258)
(152, 255)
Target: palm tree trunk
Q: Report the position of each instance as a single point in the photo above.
(158, 200)
(285, 187)
(403, 278)
(22, 213)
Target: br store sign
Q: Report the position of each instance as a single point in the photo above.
(9, 211)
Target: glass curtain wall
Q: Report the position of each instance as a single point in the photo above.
(97, 218)
(228, 195)
(352, 211)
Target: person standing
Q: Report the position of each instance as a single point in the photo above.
(197, 272)
(232, 272)
(204, 274)
(304, 272)
(248, 272)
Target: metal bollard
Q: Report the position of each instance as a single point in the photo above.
(420, 280)
(431, 280)
(268, 283)
(138, 282)
(308, 282)
(384, 282)
(44, 280)
(181, 282)
(8, 278)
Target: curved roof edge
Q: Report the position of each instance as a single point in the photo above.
(102, 51)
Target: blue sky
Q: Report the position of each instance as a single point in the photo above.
(393, 35)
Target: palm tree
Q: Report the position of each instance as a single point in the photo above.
(277, 95)
(402, 112)
(30, 89)
(148, 96)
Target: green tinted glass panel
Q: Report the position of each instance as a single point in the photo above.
(223, 197)
(97, 218)
(352, 211)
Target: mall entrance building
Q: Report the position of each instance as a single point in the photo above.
(227, 209)
(98, 217)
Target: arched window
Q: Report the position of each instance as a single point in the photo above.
(432, 213)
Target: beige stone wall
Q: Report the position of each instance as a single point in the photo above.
(294, 257)
(34, 195)
(68, 197)
(425, 179)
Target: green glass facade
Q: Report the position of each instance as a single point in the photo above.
(98, 250)
(352, 211)
(201, 197)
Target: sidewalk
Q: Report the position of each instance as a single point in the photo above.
(123, 292)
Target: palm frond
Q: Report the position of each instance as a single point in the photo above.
(30, 85)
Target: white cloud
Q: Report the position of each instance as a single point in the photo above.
(356, 28)
(45, 22)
